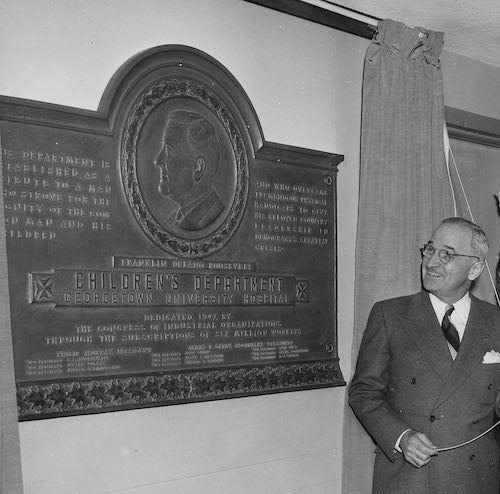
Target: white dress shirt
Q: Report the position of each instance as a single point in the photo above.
(458, 317)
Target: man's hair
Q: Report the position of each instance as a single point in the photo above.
(479, 242)
(201, 137)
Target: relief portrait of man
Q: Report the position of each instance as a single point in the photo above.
(189, 160)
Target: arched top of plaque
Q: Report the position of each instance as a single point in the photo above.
(186, 131)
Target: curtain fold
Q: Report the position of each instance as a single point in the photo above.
(404, 190)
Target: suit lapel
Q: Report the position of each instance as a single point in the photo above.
(475, 343)
(423, 328)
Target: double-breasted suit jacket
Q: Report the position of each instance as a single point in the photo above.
(406, 378)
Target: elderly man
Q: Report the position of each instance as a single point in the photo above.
(428, 375)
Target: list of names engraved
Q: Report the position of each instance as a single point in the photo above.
(166, 340)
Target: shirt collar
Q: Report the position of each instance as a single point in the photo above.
(462, 307)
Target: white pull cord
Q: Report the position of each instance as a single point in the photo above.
(470, 440)
(448, 152)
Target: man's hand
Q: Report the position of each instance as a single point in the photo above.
(417, 448)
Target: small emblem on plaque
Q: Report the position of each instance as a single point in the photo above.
(302, 291)
(42, 288)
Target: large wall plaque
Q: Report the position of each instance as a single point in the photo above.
(160, 251)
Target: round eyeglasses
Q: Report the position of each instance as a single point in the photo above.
(445, 256)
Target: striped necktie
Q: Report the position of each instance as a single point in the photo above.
(450, 332)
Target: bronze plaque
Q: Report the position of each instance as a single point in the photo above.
(160, 251)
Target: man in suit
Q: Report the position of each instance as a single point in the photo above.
(428, 377)
(189, 159)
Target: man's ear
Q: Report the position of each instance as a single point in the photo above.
(475, 270)
(199, 168)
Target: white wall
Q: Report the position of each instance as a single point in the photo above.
(304, 81)
(471, 85)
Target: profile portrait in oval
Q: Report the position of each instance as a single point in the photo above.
(189, 160)
(185, 168)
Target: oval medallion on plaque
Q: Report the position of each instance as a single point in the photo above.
(184, 167)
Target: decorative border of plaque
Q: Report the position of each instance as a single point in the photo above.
(53, 399)
(160, 251)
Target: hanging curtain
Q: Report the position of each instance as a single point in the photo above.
(404, 190)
